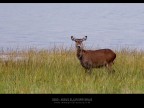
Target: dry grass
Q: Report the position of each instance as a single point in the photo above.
(59, 71)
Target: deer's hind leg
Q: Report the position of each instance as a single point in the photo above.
(109, 67)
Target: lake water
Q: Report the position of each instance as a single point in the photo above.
(41, 25)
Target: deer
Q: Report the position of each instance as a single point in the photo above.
(90, 59)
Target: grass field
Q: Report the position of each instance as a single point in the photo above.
(59, 71)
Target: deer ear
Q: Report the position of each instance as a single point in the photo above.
(85, 38)
(72, 38)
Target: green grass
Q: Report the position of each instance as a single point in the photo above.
(59, 71)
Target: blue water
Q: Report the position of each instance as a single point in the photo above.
(41, 25)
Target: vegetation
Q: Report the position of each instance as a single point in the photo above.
(59, 71)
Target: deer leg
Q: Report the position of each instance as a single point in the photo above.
(89, 68)
(90, 71)
(86, 70)
(109, 67)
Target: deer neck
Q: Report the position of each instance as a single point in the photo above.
(80, 54)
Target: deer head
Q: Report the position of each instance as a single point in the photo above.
(79, 42)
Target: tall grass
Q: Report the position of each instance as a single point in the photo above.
(59, 71)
